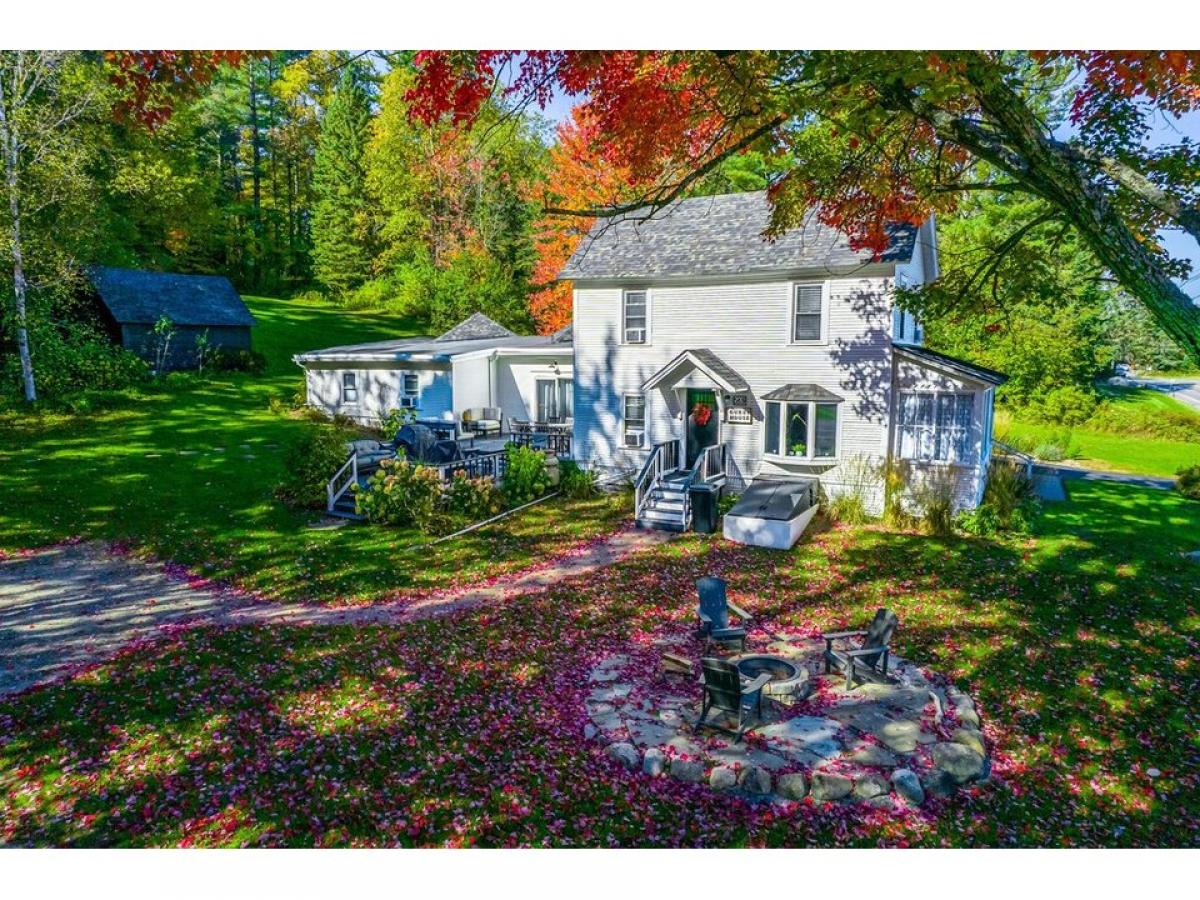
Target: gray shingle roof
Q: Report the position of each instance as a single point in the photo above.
(803, 393)
(476, 326)
(719, 235)
(142, 297)
(940, 360)
(704, 360)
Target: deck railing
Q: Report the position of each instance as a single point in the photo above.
(1005, 450)
(346, 476)
(709, 464)
(485, 465)
(663, 458)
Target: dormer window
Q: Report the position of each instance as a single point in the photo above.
(635, 317)
(809, 313)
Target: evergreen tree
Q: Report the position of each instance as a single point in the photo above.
(342, 229)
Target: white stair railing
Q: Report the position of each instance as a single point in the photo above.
(341, 481)
(662, 459)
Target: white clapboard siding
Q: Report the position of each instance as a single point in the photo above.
(379, 390)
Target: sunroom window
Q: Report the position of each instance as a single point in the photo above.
(800, 430)
(935, 427)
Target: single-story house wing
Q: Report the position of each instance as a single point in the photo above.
(475, 365)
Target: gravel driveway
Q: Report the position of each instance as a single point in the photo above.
(70, 605)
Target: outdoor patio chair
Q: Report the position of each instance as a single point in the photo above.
(871, 659)
(713, 613)
(483, 420)
(726, 690)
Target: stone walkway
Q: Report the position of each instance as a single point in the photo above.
(73, 605)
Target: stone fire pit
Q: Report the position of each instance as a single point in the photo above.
(885, 745)
(789, 681)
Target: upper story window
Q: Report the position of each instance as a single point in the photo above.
(635, 317)
(809, 312)
(349, 387)
(410, 389)
(801, 431)
(935, 427)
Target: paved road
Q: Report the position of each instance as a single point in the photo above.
(1185, 390)
(1080, 473)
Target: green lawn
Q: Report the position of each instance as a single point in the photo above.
(1136, 453)
(186, 472)
(1078, 644)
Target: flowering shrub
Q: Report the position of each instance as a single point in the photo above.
(525, 478)
(472, 499)
(401, 493)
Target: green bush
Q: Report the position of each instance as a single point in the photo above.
(1116, 417)
(394, 420)
(525, 477)
(576, 482)
(73, 359)
(1057, 445)
(379, 293)
(860, 480)
(983, 521)
(223, 359)
(933, 495)
(401, 493)
(1067, 405)
(1188, 482)
(311, 295)
(896, 474)
(472, 499)
(309, 463)
(727, 502)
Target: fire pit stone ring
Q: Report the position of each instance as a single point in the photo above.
(789, 680)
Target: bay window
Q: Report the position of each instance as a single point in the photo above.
(935, 427)
(801, 430)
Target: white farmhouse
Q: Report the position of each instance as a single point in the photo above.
(790, 358)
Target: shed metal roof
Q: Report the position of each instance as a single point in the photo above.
(721, 235)
(136, 296)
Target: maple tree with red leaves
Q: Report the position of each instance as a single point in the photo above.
(878, 138)
(152, 82)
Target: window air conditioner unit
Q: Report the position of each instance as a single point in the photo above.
(635, 438)
(635, 336)
(408, 402)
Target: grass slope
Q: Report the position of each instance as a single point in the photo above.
(186, 472)
(1078, 644)
(1140, 453)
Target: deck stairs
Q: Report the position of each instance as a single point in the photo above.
(661, 498)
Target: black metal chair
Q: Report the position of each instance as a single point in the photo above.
(713, 612)
(726, 690)
(871, 659)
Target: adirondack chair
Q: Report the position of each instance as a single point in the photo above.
(871, 659)
(713, 613)
(725, 689)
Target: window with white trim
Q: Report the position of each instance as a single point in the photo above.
(635, 420)
(800, 430)
(410, 389)
(635, 317)
(349, 387)
(808, 313)
(935, 427)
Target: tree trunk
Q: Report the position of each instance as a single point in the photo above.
(12, 163)
(1050, 170)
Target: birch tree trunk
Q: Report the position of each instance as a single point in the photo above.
(9, 134)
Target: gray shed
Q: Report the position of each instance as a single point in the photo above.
(135, 300)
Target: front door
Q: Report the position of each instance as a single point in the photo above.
(703, 427)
